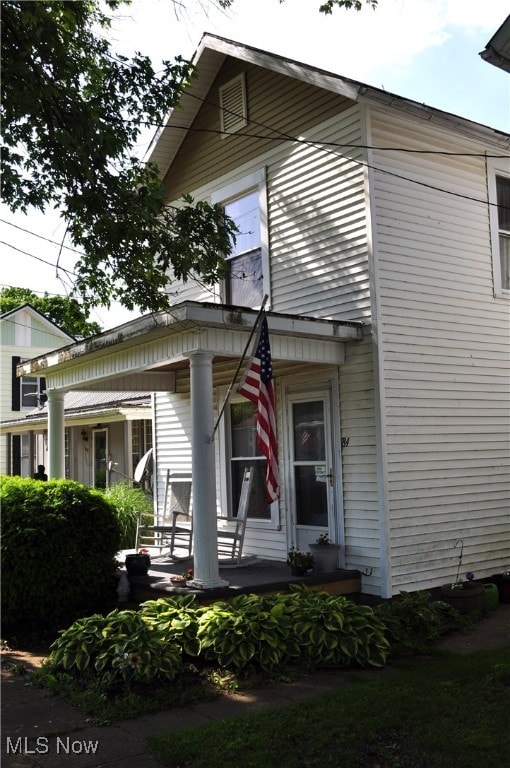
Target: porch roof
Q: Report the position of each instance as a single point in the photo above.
(142, 355)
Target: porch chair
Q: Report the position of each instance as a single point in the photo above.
(230, 542)
(175, 527)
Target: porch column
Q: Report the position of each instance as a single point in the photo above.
(56, 435)
(206, 572)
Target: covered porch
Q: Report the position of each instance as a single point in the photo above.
(257, 576)
(150, 353)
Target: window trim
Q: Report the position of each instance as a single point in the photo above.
(253, 181)
(496, 167)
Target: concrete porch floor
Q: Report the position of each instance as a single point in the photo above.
(254, 575)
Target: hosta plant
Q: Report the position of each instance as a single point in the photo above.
(119, 647)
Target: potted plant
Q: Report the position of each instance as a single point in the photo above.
(299, 562)
(465, 596)
(325, 553)
(183, 578)
(138, 564)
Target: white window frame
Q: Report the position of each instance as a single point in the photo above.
(496, 167)
(253, 181)
(225, 448)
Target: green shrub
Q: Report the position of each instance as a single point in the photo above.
(249, 630)
(333, 631)
(128, 503)
(414, 621)
(120, 647)
(306, 627)
(177, 619)
(59, 541)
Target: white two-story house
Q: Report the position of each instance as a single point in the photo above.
(379, 229)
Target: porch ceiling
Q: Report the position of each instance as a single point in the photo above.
(142, 354)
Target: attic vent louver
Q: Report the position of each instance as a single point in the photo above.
(233, 111)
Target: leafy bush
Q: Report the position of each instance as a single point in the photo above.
(413, 621)
(334, 631)
(120, 647)
(306, 627)
(177, 619)
(128, 503)
(59, 541)
(248, 630)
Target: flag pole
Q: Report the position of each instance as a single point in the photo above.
(255, 326)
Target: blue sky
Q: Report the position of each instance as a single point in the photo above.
(425, 50)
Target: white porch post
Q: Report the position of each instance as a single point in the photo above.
(56, 435)
(203, 471)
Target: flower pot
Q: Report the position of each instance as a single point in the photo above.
(471, 597)
(299, 570)
(503, 585)
(326, 557)
(137, 565)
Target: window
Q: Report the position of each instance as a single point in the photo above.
(238, 449)
(245, 202)
(27, 391)
(245, 453)
(499, 199)
(244, 283)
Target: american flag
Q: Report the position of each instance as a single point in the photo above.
(258, 386)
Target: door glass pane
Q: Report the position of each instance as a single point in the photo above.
(100, 459)
(311, 498)
(309, 444)
(310, 464)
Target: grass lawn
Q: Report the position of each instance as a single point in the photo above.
(447, 712)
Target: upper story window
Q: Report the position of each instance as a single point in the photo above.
(27, 391)
(244, 283)
(248, 279)
(499, 198)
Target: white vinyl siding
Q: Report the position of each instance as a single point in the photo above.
(443, 357)
(359, 465)
(319, 263)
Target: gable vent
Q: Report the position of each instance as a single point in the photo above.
(233, 111)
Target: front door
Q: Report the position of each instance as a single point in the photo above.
(312, 470)
(100, 445)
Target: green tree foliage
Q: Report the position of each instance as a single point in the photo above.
(326, 7)
(64, 311)
(72, 111)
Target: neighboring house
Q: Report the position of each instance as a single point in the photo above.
(106, 435)
(378, 227)
(24, 334)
